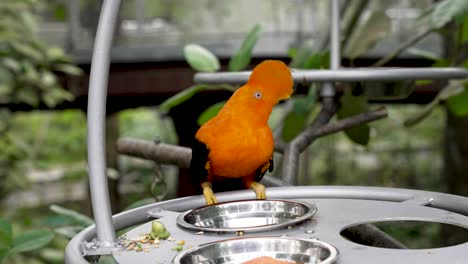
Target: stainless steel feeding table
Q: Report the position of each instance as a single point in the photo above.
(337, 208)
(317, 215)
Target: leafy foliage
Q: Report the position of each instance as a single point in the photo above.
(71, 223)
(24, 242)
(458, 104)
(181, 97)
(28, 67)
(200, 58)
(376, 27)
(453, 89)
(210, 112)
(445, 11)
(454, 95)
(354, 102)
(29, 74)
(302, 106)
(241, 59)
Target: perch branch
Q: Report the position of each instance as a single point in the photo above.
(292, 150)
(303, 140)
(181, 156)
(169, 154)
(342, 125)
(158, 152)
(369, 234)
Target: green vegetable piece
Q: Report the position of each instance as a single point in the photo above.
(159, 230)
(153, 235)
(177, 248)
(164, 235)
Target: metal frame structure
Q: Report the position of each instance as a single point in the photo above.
(86, 241)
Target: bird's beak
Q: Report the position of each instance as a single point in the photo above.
(284, 98)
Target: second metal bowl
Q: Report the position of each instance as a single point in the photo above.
(236, 251)
(247, 215)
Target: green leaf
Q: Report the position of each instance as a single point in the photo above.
(55, 95)
(4, 252)
(314, 61)
(31, 240)
(48, 79)
(325, 61)
(68, 231)
(210, 112)
(241, 58)
(52, 255)
(28, 96)
(68, 69)
(458, 104)
(56, 54)
(201, 59)
(28, 51)
(296, 120)
(6, 233)
(181, 97)
(388, 90)
(353, 105)
(446, 11)
(453, 89)
(442, 63)
(11, 64)
(464, 35)
(29, 21)
(77, 217)
(60, 13)
(300, 56)
(294, 123)
(292, 52)
(423, 82)
(426, 54)
(375, 28)
(6, 77)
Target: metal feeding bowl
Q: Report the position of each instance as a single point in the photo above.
(247, 215)
(240, 250)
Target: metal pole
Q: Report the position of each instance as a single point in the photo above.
(328, 88)
(344, 75)
(96, 123)
(73, 34)
(335, 55)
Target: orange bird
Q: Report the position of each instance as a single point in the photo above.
(234, 149)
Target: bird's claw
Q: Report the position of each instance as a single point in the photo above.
(259, 190)
(208, 194)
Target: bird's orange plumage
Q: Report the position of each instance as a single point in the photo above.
(238, 138)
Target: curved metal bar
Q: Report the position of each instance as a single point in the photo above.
(345, 75)
(96, 123)
(125, 219)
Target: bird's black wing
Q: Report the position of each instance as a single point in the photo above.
(199, 165)
(260, 172)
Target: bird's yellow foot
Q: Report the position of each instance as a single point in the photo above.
(259, 190)
(208, 194)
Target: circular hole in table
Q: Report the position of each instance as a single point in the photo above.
(414, 234)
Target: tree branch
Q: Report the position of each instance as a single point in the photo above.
(295, 147)
(349, 122)
(158, 152)
(181, 156)
(402, 48)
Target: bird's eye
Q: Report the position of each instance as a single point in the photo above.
(258, 95)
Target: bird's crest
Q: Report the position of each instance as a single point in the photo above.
(275, 76)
